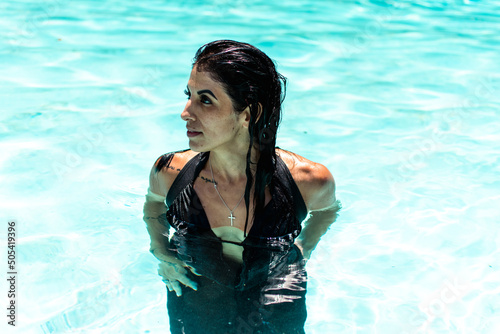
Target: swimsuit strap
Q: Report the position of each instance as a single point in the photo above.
(186, 176)
(283, 173)
(164, 160)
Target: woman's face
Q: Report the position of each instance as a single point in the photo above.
(210, 118)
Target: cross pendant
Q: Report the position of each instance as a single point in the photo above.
(232, 218)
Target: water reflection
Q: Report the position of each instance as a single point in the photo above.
(264, 292)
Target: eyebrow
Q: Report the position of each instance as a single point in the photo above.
(206, 91)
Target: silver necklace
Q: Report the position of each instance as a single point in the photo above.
(231, 216)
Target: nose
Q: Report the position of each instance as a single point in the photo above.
(187, 114)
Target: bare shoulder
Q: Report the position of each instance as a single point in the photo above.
(163, 174)
(315, 181)
(304, 170)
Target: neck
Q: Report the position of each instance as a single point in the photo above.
(229, 166)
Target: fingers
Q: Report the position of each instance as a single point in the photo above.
(189, 283)
(176, 287)
(174, 279)
(193, 270)
(173, 286)
(168, 284)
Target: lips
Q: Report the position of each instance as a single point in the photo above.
(192, 133)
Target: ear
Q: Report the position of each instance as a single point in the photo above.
(259, 112)
(246, 115)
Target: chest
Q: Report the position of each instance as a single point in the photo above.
(225, 206)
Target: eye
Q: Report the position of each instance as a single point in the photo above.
(205, 100)
(188, 94)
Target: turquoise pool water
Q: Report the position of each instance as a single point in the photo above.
(400, 100)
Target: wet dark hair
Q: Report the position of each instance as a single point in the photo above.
(250, 79)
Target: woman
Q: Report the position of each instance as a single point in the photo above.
(235, 262)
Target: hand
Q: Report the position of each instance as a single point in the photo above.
(174, 273)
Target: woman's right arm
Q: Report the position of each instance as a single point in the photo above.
(154, 213)
(170, 267)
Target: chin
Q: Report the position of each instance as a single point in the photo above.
(196, 147)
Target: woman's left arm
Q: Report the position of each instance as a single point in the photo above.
(323, 208)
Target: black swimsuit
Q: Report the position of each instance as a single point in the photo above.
(281, 216)
(270, 284)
